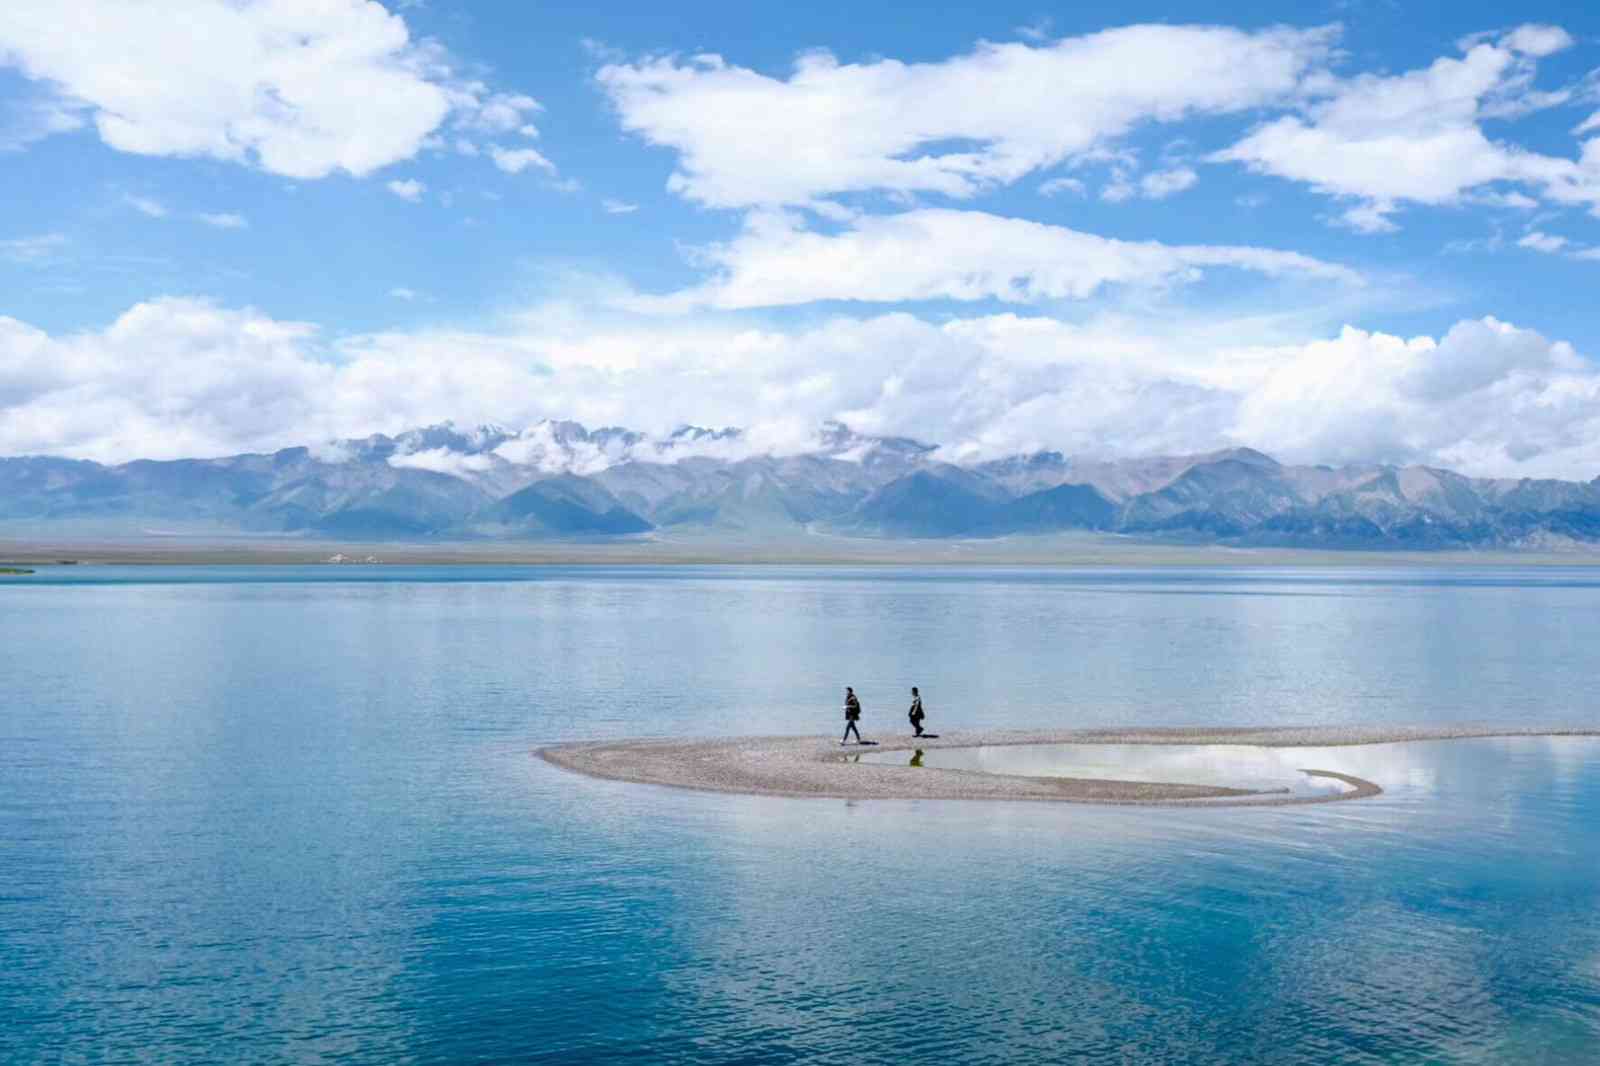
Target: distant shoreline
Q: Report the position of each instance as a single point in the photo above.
(1032, 551)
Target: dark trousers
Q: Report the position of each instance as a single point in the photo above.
(916, 723)
(850, 727)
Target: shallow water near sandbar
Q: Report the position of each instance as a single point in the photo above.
(1226, 765)
(291, 815)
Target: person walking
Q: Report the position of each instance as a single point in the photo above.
(915, 714)
(852, 715)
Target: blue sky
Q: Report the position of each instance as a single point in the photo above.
(1366, 234)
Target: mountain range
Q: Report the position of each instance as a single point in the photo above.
(560, 480)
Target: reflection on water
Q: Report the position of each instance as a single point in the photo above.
(1228, 765)
(253, 821)
(1411, 768)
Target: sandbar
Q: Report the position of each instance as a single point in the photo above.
(820, 767)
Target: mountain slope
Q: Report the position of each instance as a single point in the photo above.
(561, 480)
(563, 505)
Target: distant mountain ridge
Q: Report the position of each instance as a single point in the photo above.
(561, 480)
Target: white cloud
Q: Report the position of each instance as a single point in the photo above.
(146, 206)
(410, 190)
(1385, 141)
(300, 88)
(171, 377)
(1554, 244)
(403, 293)
(1542, 242)
(499, 113)
(516, 160)
(935, 253)
(32, 249)
(1512, 199)
(1060, 185)
(35, 115)
(1538, 40)
(1161, 184)
(1157, 185)
(1371, 216)
(1037, 31)
(152, 208)
(1487, 397)
(442, 461)
(177, 377)
(954, 127)
(223, 220)
(618, 207)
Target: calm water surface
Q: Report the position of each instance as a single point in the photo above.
(1266, 770)
(290, 815)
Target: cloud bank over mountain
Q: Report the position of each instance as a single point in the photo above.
(173, 378)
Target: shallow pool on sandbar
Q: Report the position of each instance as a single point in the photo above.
(1227, 765)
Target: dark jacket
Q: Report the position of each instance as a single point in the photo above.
(852, 708)
(915, 714)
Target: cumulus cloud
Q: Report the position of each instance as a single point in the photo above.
(516, 160)
(177, 377)
(1157, 185)
(442, 461)
(1385, 141)
(936, 253)
(1164, 183)
(1538, 40)
(1056, 186)
(498, 113)
(1542, 242)
(955, 127)
(298, 89)
(409, 189)
(168, 377)
(1555, 244)
(1486, 397)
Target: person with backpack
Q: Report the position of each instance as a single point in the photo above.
(852, 715)
(915, 714)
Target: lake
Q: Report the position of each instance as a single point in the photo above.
(282, 813)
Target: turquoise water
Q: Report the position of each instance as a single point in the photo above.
(291, 815)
